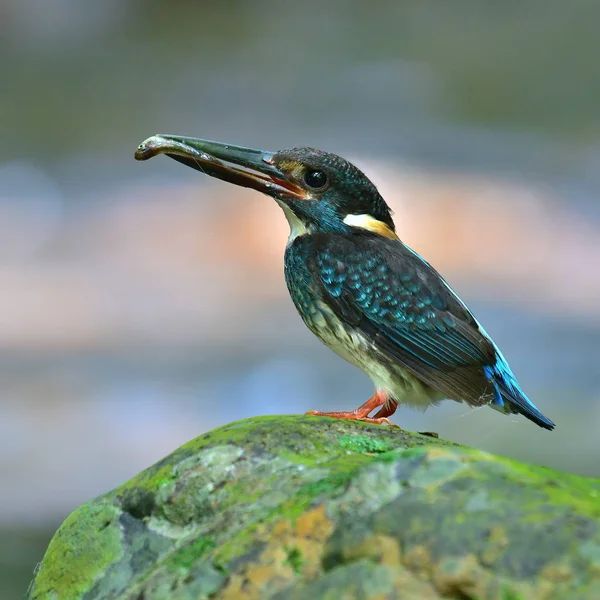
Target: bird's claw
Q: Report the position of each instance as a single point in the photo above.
(352, 416)
(378, 421)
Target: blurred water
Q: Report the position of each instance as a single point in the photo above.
(135, 314)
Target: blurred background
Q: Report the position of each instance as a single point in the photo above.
(142, 304)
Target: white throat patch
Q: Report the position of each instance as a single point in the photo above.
(297, 227)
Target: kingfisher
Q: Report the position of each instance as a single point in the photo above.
(359, 288)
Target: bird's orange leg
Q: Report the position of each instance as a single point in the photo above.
(387, 410)
(379, 398)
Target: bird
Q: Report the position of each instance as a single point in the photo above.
(363, 292)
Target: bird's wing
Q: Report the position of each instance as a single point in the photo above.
(401, 303)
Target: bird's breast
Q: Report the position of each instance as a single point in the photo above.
(348, 341)
(309, 298)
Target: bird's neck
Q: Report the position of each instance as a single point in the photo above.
(331, 223)
(297, 226)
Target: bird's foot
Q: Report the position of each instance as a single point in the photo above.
(379, 399)
(351, 415)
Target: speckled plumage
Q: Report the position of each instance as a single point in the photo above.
(312, 295)
(386, 310)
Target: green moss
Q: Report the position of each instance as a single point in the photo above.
(579, 494)
(308, 494)
(186, 556)
(162, 481)
(237, 545)
(305, 496)
(307, 442)
(401, 453)
(152, 478)
(364, 445)
(294, 559)
(508, 594)
(87, 543)
(412, 452)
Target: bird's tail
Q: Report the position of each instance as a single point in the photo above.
(509, 398)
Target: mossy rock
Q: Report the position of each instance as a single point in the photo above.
(314, 508)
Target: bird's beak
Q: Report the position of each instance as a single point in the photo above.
(241, 166)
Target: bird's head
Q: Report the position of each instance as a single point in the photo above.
(318, 191)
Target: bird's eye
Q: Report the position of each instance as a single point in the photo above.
(315, 179)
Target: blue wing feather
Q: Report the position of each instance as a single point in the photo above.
(410, 313)
(509, 397)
